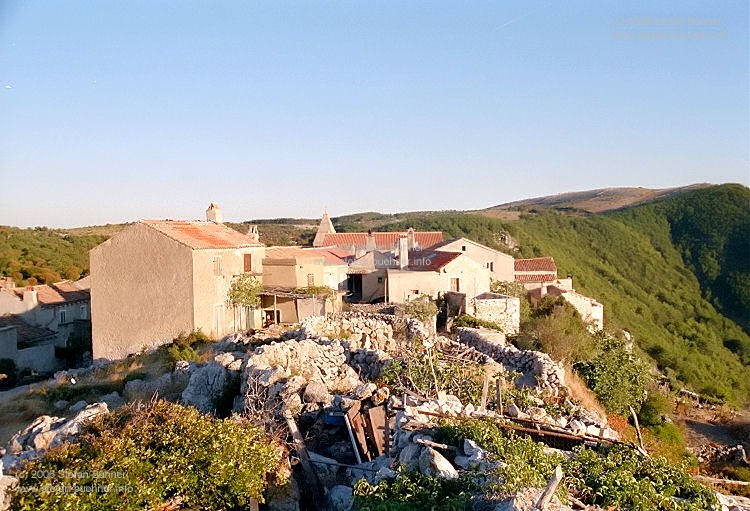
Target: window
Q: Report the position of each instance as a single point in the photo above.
(380, 280)
(84, 312)
(63, 316)
(217, 266)
(455, 287)
(248, 263)
(310, 279)
(490, 265)
(415, 291)
(463, 248)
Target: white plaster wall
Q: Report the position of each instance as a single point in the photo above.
(502, 263)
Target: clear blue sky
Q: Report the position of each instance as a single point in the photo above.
(112, 111)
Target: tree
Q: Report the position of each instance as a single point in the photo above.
(244, 294)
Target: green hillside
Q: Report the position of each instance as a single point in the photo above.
(41, 255)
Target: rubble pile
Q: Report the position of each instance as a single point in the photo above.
(538, 369)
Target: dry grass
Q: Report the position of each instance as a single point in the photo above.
(581, 392)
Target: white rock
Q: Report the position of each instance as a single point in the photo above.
(432, 463)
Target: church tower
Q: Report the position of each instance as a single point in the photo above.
(325, 227)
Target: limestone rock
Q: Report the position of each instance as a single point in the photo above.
(326, 468)
(113, 400)
(77, 407)
(341, 498)
(432, 463)
(206, 388)
(317, 393)
(6, 484)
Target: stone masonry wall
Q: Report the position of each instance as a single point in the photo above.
(534, 365)
(500, 309)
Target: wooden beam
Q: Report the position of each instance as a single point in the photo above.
(310, 474)
(549, 491)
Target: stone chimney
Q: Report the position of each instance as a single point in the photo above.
(403, 251)
(30, 298)
(370, 242)
(213, 213)
(325, 227)
(412, 239)
(254, 234)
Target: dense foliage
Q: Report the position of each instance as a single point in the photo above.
(422, 309)
(711, 229)
(141, 456)
(44, 256)
(620, 478)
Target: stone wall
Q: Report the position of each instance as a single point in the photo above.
(500, 309)
(537, 367)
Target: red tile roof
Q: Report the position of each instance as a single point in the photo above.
(383, 240)
(535, 277)
(55, 294)
(537, 264)
(290, 253)
(199, 234)
(430, 260)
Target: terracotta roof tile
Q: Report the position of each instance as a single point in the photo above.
(55, 294)
(538, 264)
(385, 241)
(535, 277)
(198, 234)
(424, 260)
(26, 333)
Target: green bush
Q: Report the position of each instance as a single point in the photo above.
(422, 309)
(654, 409)
(150, 454)
(618, 378)
(472, 322)
(412, 491)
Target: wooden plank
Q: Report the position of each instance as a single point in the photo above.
(638, 430)
(485, 391)
(310, 474)
(375, 425)
(549, 491)
(358, 425)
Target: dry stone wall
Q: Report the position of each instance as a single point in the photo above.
(538, 368)
(500, 309)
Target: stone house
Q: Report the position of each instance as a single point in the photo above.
(359, 243)
(63, 307)
(500, 264)
(29, 347)
(535, 271)
(591, 311)
(288, 275)
(158, 278)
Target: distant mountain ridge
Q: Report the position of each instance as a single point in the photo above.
(597, 201)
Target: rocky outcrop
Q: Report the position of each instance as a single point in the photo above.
(44, 433)
(208, 387)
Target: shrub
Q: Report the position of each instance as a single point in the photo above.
(472, 322)
(412, 491)
(422, 309)
(151, 454)
(654, 409)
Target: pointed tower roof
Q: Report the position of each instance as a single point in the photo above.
(325, 227)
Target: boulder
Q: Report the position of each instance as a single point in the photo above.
(6, 484)
(207, 387)
(113, 400)
(77, 407)
(317, 393)
(526, 499)
(341, 498)
(326, 468)
(409, 455)
(432, 463)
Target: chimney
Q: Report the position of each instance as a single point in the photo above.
(403, 252)
(412, 239)
(370, 243)
(543, 291)
(213, 213)
(30, 298)
(254, 234)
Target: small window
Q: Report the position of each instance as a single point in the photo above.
(63, 316)
(310, 279)
(490, 265)
(415, 291)
(217, 266)
(463, 248)
(248, 263)
(380, 280)
(84, 312)
(455, 287)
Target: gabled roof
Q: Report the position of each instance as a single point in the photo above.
(430, 260)
(55, 294)
(292, 252)
(26, 333)
(384, 241)
(200, 234)
(536, 264)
